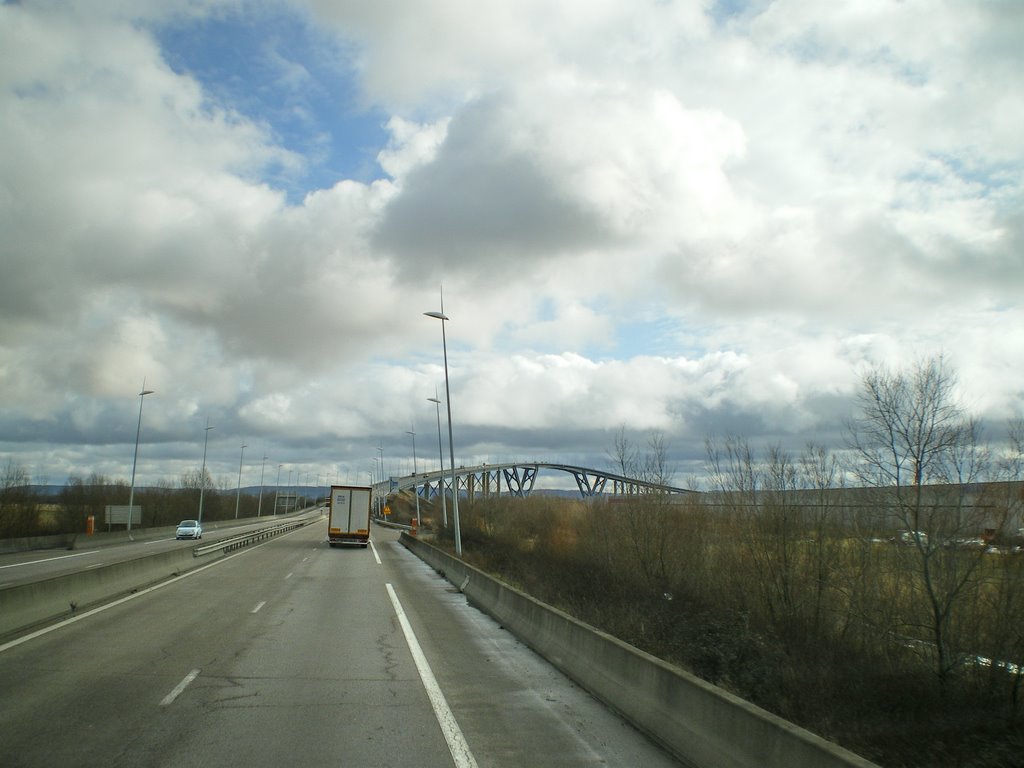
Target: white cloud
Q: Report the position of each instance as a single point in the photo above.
(782, 197)
(411, 146)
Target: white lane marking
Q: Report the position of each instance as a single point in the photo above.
(452, 733)
(375, 555)
(259, 605)
(47, 559)
(170, 697)
(106, 606)
(94, 565)
(288, 576)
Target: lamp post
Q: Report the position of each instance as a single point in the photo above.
(451, 441)
(202, 473)
(259, 506)
(291, 492)
(135, 460)
(440, 455)
(277, 490)
(374, 487)
(238, 491)
(414, 488)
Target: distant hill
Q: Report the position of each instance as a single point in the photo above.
(52, 491)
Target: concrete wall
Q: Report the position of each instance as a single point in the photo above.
(701, 724)
(26, 605)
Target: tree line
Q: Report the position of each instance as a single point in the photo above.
(25, 512)
(874, 594)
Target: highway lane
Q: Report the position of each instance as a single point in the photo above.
(294, 653)
(35, 565)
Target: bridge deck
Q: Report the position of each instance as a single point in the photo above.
(518, 479)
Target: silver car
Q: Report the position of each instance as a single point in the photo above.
(189, 529)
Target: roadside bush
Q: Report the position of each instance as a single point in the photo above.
(686, 583)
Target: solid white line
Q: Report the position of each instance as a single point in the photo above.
(47, 559)
(170, 697)
(259, 605)
(449, 727)
(375, 555)
(61, 624)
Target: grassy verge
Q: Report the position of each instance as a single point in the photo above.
(829, 637)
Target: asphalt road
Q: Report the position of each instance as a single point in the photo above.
(36, 565)
(293, 653)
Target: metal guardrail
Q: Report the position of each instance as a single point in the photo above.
(245, 539)
(388, 524)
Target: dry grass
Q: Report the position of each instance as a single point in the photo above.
(816, 629)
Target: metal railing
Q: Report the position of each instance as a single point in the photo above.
(245, 539)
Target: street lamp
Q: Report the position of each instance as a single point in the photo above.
(238, 492)
(202, 474)
(440, 455)
(259, 507)
(291, 492)
(374, 485)
(451, 441)
(277, 490)
(414, 488)
(138, 431)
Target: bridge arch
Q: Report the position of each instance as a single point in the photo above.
(518, 478)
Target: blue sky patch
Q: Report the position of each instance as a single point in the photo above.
(275, 69)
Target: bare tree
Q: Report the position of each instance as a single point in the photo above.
(819, 472)
(195, 479)
(1004, 598)
(909, 422)
(756, 496)
(649, 519)
(18, 510)
(912, 431)
(650, 467)
(14, 479)
(624, 454)
(1011, 463)
(655, 468)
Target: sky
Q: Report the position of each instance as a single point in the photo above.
(677, 219)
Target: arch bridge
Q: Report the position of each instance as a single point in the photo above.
(518, 478)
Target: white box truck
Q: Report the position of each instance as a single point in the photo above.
(348, 519)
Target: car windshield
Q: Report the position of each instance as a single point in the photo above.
(187, 524)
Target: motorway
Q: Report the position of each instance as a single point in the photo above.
(293, 653)
(29, 566)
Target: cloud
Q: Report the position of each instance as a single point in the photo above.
(663, 215)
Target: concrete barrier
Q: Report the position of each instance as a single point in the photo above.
(24, 606)
(699, 723)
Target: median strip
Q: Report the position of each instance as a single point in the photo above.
(106, 606)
